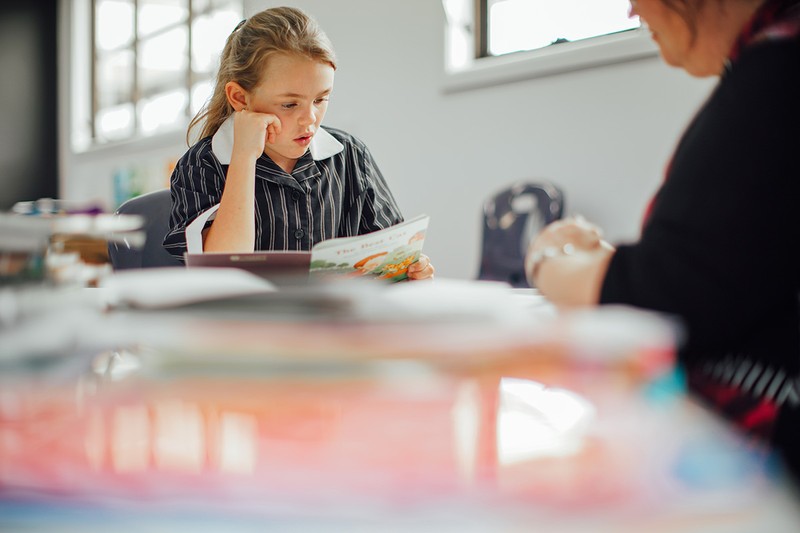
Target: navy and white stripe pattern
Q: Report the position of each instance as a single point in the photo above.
(338, 196)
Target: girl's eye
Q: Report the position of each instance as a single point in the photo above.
(289, 106)
(318, 101)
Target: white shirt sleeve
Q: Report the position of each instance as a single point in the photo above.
(194, 231)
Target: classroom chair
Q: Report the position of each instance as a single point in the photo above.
(154, 207)
(512, 217)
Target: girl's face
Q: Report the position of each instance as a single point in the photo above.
(670, 32)
(296, 90)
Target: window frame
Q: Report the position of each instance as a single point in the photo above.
(484, 70)
(86, 116)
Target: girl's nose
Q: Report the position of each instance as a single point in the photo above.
(309, 117)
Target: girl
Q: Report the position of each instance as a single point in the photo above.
(265, 175)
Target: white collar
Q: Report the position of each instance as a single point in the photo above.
(323, 145)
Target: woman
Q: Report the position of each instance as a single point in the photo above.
(265, 174)
(720, 244)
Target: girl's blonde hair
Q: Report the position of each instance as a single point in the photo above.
(279, 30)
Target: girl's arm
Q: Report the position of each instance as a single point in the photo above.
(233, 229)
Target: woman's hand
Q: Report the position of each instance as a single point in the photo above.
(421, 269)
(579, 233)
(252, 131)
(568, 262)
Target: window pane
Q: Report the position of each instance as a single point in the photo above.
(115, 123)
(113, 23)
(140, 64)
(155, 15)
(201, 92)
(516, 25)
(210, 32)
(163, 62)
(115, 78)
(163, 111)
(201, 6)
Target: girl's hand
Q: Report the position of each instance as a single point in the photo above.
(421, 269)
(252, 131)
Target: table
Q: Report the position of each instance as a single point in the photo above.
(259, 421)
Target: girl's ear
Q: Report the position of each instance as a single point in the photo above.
(236, 95)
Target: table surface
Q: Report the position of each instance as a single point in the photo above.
(254, 423)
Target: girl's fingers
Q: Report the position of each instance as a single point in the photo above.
(273, 129)
(276, 125)
(421, 269)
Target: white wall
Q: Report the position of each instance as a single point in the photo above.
(602, 134)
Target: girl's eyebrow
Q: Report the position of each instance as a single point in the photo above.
(296, 95)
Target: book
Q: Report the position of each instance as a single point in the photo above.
(384, 254)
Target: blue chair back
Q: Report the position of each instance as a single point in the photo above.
(154, 207)
(511, 219)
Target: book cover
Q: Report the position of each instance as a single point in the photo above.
(385, 254)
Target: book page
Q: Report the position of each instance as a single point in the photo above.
(385, 254)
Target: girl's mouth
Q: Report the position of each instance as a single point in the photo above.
(304, 140)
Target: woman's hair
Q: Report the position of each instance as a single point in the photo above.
(279, 30)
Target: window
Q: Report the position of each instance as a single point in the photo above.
(507, 26)
(153, 64)
(490, 41)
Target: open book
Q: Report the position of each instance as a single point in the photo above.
(384, 254)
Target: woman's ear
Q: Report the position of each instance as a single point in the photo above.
(237, 96)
